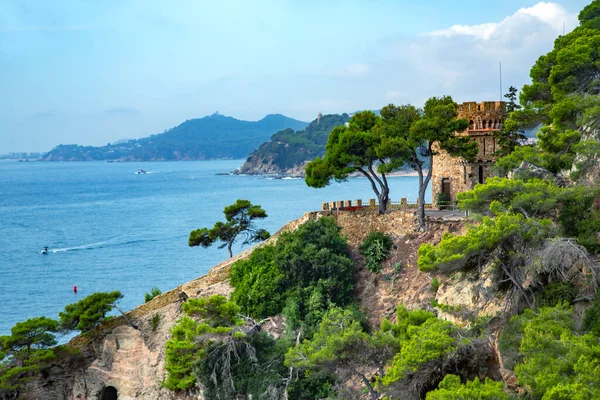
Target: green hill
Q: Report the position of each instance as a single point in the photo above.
(212, 137)
(287, 150)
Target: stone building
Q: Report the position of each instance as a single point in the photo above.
(452, 175)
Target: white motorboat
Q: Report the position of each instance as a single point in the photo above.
(140, 172)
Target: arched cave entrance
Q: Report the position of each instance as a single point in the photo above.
(109, 393)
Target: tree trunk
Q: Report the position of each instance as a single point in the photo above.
(383, 200)
(229, 249)
(372, 391)
(134, 326)
(421, 208)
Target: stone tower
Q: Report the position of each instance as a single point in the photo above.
(452, 175)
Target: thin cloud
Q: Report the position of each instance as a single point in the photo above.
(354, 70)
(45, 28)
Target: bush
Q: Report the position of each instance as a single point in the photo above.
(556, 293)
(435, 284)
(455, 253)
(557, 361)
(591, 321)
(376, 249)
(310, 266)
(153, 293)
(155, 321)
(443, 200)
(451, 388)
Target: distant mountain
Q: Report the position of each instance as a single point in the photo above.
(212, 137)
(287, 151)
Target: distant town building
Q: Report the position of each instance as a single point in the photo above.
(319, 115)
(452, 175)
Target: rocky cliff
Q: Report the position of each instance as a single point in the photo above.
(287, 152)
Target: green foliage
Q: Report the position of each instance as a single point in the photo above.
(240, 218)
(509, 135)
(212, 137)
(86, 314)
(376, 249)
(450, 388)
(181, 352)
(557, 361)
(534, 198)
(443, 200)
(184, 348)
(429, 341)
(462, 252)
(155, 321)
(340, 344)
(435, 284)
(509, 343)
(212, 348)
(256, 368)
(215, 311)
(573, 207)
(153, 293)
(25, 352)
(563, 94)
(307, 269)
(511, 161)
(591, 321)
(556, 293)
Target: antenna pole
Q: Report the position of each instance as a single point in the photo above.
(500, 81)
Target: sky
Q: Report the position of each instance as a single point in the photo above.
(91, 72)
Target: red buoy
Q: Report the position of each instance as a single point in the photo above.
(74, 289)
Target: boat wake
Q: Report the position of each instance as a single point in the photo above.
(110, 243)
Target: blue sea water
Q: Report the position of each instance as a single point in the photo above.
(110, 229)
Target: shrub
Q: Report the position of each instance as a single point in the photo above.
(443, 200)
(435, 284)
(591, 321)
(153, 293)
(451, 388)
(557, 361)
(311, 266)
(155, 321)
(455, 253)
(556, 293)
(376, 249)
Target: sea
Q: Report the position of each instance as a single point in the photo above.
(108, 228)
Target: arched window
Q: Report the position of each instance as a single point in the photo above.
(490, 124)
(471, 124)
(478, 107)
(481, 180)
(484, 124)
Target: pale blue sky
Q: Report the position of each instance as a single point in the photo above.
(91, 72)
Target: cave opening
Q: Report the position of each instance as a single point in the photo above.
(109, 393)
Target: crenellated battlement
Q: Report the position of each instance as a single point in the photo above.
(484, 116)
